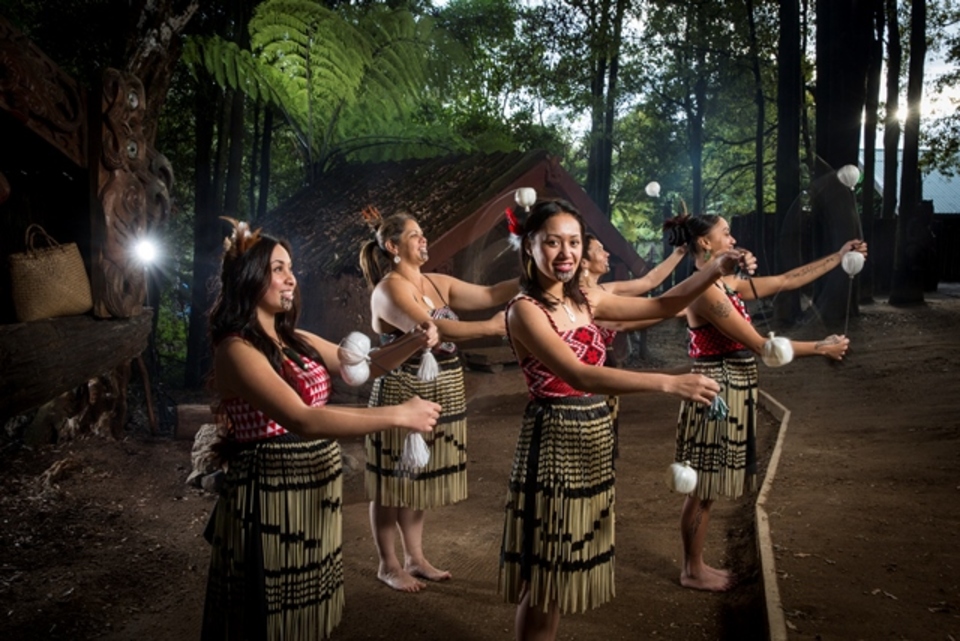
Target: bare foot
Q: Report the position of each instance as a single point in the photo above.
(708, 581)
(425, 570)
(727, 574)
(401, 580)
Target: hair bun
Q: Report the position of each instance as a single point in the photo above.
(678, 234)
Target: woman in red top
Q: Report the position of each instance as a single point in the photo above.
(723, 343)
(558, 543)
(276, 570)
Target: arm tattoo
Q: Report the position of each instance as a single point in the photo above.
(800, 272)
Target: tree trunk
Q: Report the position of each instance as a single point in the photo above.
(891, 122)
(696, 106)
(789, 110)
(843, 37)
(206, 242)
(265, 147)
(870, 122)
(913, 233)
(760, 102)
(254, 158)
(231, 200)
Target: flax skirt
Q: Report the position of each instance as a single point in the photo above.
(443, 481)
(558, 534)
(276, 568)
(724, 451)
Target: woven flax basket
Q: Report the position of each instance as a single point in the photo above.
(48, 281)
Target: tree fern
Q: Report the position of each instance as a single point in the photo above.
(350, 85)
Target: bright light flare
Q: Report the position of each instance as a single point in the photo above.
(146, 251)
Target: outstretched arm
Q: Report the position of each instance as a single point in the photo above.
(765, 286)
(649, 281)
(609, 307)
(532, 334)
(242, 370)
(468, 296)
(716, 309)
(395, 303)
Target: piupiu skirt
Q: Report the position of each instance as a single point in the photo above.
(443, 481)
(276, 568)
(558, 533)
(723, 451)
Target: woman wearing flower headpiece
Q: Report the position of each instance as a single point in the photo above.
(403, 297)
(557, 554)
(721, 446)
(276, 570)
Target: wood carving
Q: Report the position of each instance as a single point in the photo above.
(37, 93)
(134, 185)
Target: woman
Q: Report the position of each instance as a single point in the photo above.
(594, 265)
(403, 297)
(276, 570)
(723, 344)
(558, 544)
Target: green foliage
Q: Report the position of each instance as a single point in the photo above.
(351, 85)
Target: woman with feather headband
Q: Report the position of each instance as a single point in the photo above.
(276, 570)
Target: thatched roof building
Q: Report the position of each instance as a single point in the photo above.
(459, 202)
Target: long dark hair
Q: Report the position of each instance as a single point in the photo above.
(686, 229)
(244, 279)
(539, 214)
(375, 261)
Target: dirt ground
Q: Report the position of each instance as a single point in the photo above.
(102, 539)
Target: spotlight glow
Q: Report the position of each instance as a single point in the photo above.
(146, 251)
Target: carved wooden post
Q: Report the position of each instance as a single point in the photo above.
(133, 190)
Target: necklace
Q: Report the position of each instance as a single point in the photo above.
(291, 353)
(424, 297)
(566, 308)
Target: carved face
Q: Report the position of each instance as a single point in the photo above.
(557, 248)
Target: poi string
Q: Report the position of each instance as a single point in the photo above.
(354, 352)
(852, 263)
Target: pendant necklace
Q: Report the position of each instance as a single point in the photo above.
(424, 297)
(566, 308)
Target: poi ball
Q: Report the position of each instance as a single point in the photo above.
(849, 175)
(852, 262)
(354, 348)
(653, 189)
(355, 374)
(777, 351)
(681, 477)
(526, 197)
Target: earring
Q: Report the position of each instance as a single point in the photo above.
(529, 268)
(396, 259)
(706, 255)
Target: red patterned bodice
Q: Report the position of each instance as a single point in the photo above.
(587, 342)
(250, 424)
(707, 340)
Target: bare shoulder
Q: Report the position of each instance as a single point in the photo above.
(525, 310)
(313, 339)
